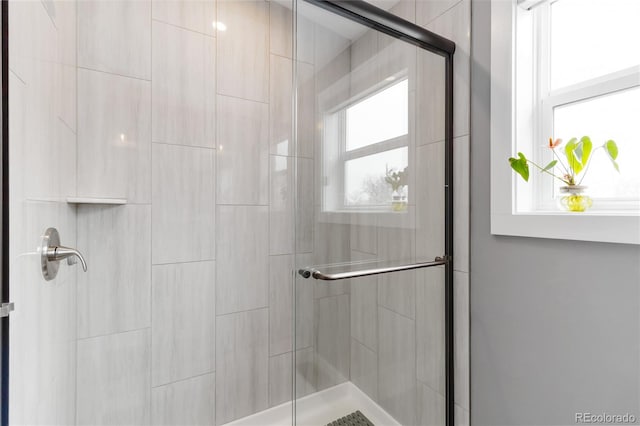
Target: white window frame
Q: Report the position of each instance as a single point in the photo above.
(335, 158)
(512, 201)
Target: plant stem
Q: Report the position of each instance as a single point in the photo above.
(548, 172)
(561, 162)
(584, 174)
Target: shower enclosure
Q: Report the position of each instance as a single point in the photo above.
(226, 212)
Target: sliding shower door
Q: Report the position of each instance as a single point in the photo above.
(371, 171)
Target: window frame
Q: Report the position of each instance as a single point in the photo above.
(511, 199)
(335, 121)
(547, 100)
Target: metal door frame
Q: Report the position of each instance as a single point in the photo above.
(4, 227)
(371, 16)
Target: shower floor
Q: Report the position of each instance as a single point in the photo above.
(322, 408)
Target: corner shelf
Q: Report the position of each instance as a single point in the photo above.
(96, 201)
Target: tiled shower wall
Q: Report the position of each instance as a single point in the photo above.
(184, 316)
(185, 313)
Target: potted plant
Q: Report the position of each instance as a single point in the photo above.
(397, 180)
(574, 168)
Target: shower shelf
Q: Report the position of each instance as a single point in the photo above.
(90, 200)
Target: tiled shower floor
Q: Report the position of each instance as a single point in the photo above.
(321, 408)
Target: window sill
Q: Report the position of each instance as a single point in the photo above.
(382, 217)
(621, 227)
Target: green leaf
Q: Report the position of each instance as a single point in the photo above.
(615, 166)
(550, 165)
(520, 166)
(575, 163)
(587, 146)
(611, 148)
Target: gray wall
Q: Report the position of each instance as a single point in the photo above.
(554, 324)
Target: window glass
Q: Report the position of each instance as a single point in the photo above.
(365, 183)
(590, 38)
(379, 117)
(614, 116)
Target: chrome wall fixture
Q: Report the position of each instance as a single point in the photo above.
(51, 253)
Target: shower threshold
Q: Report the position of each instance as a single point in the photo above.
(322, 408)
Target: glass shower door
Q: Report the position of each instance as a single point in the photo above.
(371, 168)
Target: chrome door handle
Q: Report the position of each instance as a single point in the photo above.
(319, 275)
(51, 253)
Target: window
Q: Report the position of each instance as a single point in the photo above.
(584, 80)
(366, 139)
(564, 69)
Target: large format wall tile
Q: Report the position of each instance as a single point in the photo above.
(364, 369)
(183, 204)
(196, 15)
(431, 407)
(461, 203)
(187, 402)
(280, 378)
(281, 29)
(333, 343)
(306, 110)
(304, 300)
(114, 293)
(43, 350)
(280, 105)
(282, 205)
(461, 358)
(183, 318)
(280, 304)
(428, 10)
(430, 99)
(306, 372)
(364, 306)
(243, 49)
(48, 166)
(183, 86)
(430, 202)
(243, 152)
(115, 36)
(304, 208)
(396, 363)
(243, 258)
(242, 364)
(114, 387)
(455, 24)
(397, 291)
(114, 137)
(430, 324)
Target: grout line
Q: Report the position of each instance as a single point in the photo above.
(397, 313)
(184, 379)
(15, 74)
(240, 98)
(185, 262)
(76, 137)
(113, 74)
(183, 145)
(241, 205)
(441, 14)
(180, 27)
(366, 346)
(115, 333)
(242, 311)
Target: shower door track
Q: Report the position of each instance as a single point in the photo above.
(371, 16)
